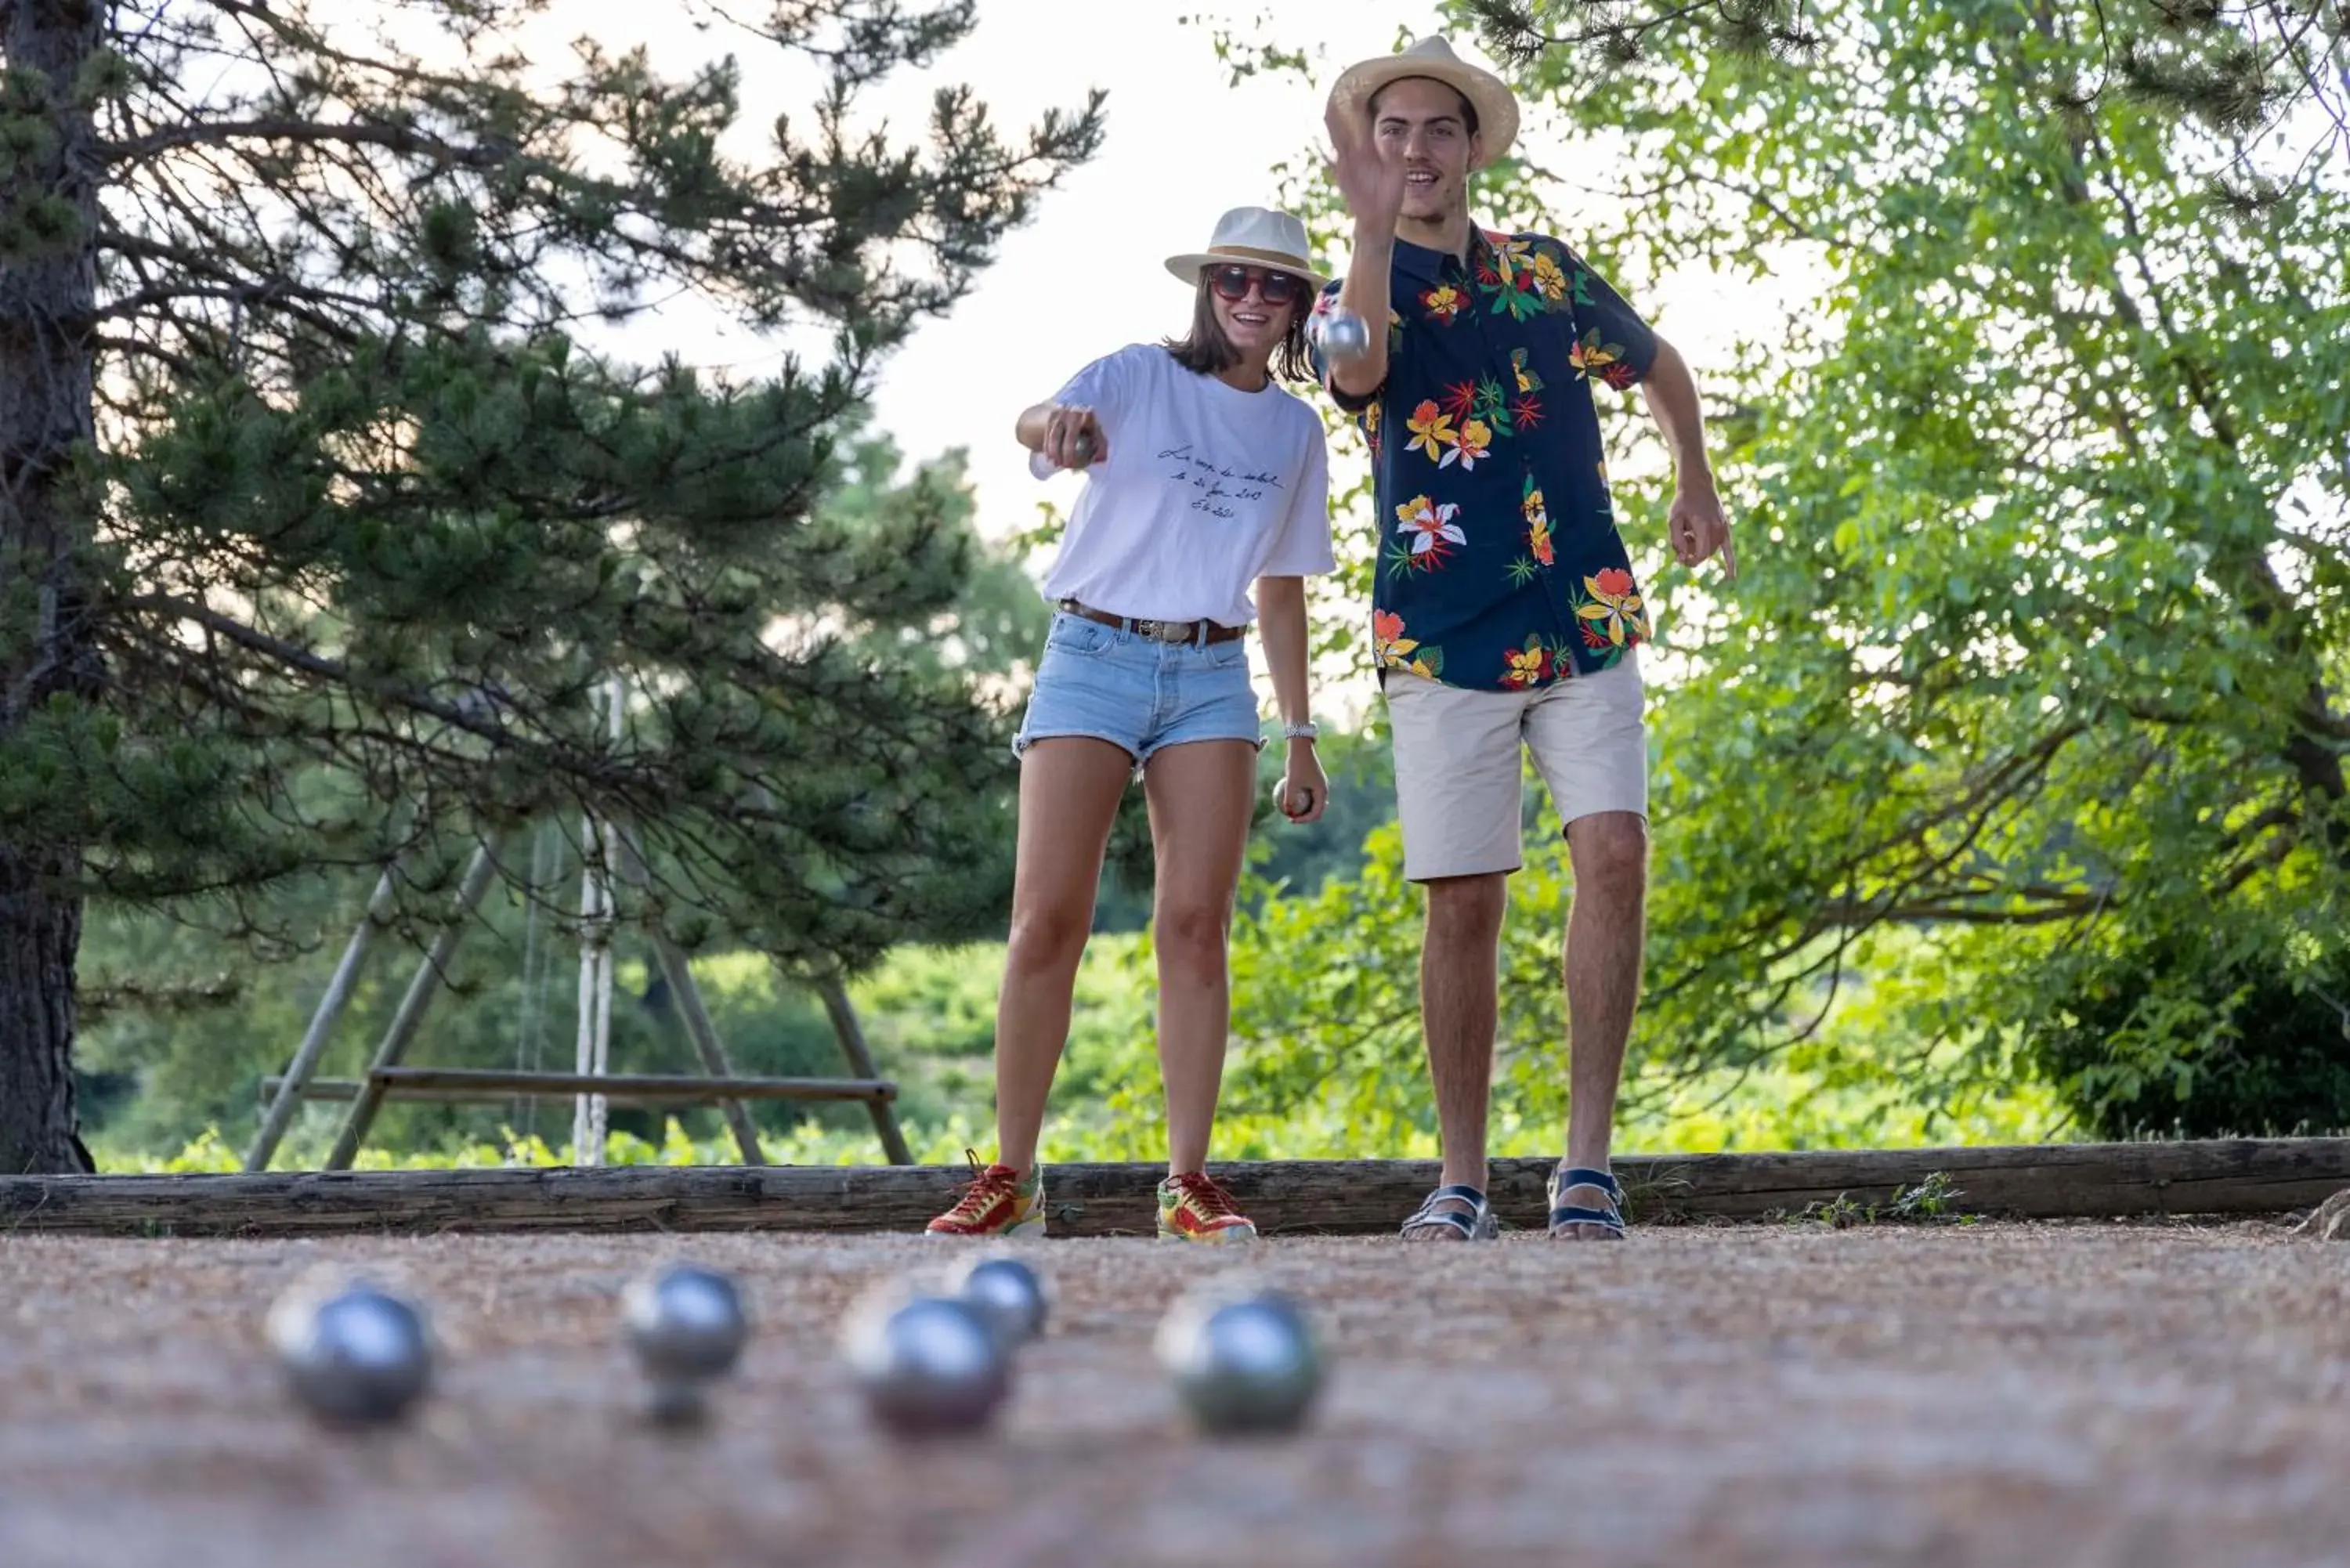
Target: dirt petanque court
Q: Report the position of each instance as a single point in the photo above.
(2083, 1393)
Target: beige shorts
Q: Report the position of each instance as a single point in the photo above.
(1459, 782)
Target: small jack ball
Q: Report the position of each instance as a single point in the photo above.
(685, 1324)
(1242, 1367)
(359, 1357)
(932, 1367)
(1008, 1291)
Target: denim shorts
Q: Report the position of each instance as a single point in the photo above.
(1136, 692)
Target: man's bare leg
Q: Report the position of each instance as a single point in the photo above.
(1459, 961)
(1606, 936)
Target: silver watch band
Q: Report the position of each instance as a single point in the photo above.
(1307, 732)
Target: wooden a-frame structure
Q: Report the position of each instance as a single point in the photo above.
(591, 1086)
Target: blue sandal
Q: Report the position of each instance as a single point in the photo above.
(1610, 1219)
(1476, 1225)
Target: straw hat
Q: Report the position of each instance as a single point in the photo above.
(1251, 236)
(1496, 106)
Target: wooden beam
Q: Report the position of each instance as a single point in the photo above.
(420, 990)
(677, 969)
(497, 1084)
(687, 998)
(2235, 1176)
(402, 1085)
(851, 1036)
(290, 1094)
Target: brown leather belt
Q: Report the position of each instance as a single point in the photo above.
(1204, 632)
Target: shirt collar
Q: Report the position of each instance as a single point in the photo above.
(1420, 261)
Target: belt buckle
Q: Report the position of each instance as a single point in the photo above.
(1165, 632)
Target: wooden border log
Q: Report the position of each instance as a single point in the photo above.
(2237, 1177)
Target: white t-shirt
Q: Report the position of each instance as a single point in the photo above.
(1206, 489)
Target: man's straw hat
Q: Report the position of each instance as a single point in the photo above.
(1433, 57)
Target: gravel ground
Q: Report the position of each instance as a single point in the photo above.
(2041, 1394)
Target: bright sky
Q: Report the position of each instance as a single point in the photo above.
(1086, 275)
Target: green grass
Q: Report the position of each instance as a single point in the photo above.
(929, 1017)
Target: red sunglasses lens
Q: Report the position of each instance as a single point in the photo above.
(1273, 287)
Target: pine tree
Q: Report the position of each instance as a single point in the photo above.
(321, 533)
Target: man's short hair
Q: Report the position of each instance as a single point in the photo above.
(1468, 109)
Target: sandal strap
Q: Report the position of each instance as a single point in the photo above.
(1568, 1177)
(1470, 1227)
(1585, 1176)
(1465, 1227)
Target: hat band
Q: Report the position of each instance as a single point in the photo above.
(1278, 258)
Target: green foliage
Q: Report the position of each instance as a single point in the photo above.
(2175, 1039)
(928, 1015)
(2233, 73)
(2039, 644)
(1933, 1200)
(195, 1002)
(327, 483)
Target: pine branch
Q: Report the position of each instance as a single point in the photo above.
(406, 141)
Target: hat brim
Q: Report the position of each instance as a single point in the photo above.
(1186, 268)
(1496, 105)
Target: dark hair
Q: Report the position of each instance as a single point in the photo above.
(1206, 351)
(1468, 109)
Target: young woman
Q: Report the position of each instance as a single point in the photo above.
(1202, 478)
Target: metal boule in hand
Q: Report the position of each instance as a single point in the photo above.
(359, 1356)
(1242, 1366)
(687, 1326)
(1341, 335)
(1081, 448)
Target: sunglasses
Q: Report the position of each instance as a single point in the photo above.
(1232, 282)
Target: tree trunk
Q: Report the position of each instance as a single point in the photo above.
(39, 932)
(48, 291)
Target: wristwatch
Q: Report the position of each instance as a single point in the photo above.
(1307, 732)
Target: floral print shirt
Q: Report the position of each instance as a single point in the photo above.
(1499, 567)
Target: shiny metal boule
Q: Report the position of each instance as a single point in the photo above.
(1341, 335)
(928, 1367)
(1242, 1366)
(1009, 1293)
(359, 1356)
(687, 1326)
(1082, 448)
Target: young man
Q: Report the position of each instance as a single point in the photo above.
(1505, 614)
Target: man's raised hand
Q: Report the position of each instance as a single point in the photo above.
(1371, 183)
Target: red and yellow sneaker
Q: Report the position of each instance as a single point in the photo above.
(1196, 1208)
(1000, 1202)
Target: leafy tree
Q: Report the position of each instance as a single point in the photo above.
(2232, 72)
(996, 622)
(2040, 644)
(2162, 1039)
(192, 1006)
(306, 475)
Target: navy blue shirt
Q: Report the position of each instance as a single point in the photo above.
(1500, 567)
